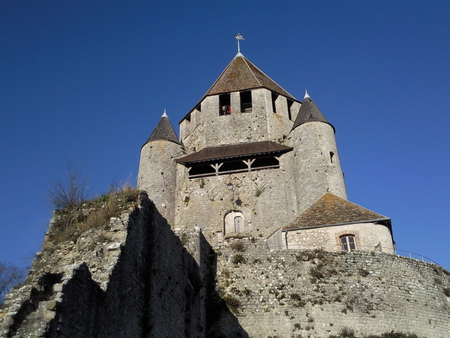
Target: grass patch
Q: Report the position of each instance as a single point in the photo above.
(68, 224)
(238, 259)
(238, 246)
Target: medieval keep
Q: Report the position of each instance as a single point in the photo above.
(241, 227)
(253, 161)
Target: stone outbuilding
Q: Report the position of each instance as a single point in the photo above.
(334, 224)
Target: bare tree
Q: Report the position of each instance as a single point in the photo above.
(10, 276)
(68, 195)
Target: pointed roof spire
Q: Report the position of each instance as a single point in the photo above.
(306, 95)
(241, 74)
(164, 131)
(309, 113)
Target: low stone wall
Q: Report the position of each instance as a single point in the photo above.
(317, 293)
(135, 277)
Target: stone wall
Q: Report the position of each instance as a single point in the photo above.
(130, 278)
(368, 236)
(316, 293)
(206, 128)
(135, 277)
(317, 163)
(265, 198)
(157, 175)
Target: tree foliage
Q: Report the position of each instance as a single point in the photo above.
(10, 276)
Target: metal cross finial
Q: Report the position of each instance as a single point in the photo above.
(238, 38)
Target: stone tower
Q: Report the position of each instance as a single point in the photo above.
(316, 156)
(157, 167)
(250, 161)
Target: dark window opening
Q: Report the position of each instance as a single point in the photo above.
(199, 107)
(274, 99)
(202, 170)
(188, 118)
(246, 101)
(225, 167)
(233, 166)
(224, 104)
(331, 156)
(290, 103)
(266, 162)
(348, 243)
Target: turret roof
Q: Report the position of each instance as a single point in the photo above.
(309, 113)
(241, 74)
(331, 209)
(164, 131)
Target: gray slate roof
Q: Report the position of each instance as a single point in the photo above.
(241, 74)
(308, 113)
(234, 151)
(331, 209)
(164, 131)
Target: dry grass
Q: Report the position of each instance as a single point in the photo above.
(68, 224)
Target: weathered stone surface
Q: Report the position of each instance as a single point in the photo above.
(161, 284)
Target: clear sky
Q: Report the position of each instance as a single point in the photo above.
(87, 81)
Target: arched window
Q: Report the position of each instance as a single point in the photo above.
(348, 242)
(234, 222)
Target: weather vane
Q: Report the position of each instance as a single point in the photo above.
(239, 37)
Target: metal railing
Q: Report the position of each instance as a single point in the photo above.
(413, 255)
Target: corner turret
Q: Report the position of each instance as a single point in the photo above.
(157, 167)
(316, 156)
(309, 113)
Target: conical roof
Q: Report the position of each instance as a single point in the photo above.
(309, 113)
(241, 74)
(164, 131)
(331, 209)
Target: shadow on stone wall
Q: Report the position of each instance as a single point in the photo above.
(156, 289)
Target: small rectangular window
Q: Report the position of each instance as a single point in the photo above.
(246, 101)
(348, 242)
(224, 104)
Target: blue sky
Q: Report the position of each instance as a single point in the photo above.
(87, 81)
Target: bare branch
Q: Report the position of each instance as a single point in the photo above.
(68, 195)
(10, 276)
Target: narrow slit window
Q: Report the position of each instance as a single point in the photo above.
(289, 104)
(274, 101)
